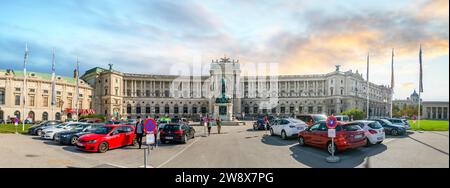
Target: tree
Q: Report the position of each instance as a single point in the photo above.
(356, 113)
(99, 116)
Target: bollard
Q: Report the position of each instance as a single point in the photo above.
(145, 157)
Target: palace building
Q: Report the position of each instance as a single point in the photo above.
(127, 95)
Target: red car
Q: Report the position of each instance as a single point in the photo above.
(348, 136)
(107, 137)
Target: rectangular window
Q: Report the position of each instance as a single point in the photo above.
(2, 96)
(310, 109)
(58, 102)
(69, 102)
(157, 110)
(282, 110)
(44, 101)
(31, 99)
(185, 110)
(17, 100)
(45, 91)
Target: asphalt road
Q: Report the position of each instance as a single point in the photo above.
(236, 147)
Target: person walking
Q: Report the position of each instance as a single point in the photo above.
(208, 123)
(139, 131)
(219, 124)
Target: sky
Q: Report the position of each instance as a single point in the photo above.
(301, 36)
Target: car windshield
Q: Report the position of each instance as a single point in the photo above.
(345, 118)
(351, 127)
(171, 127)
(102, 130)
(319, 118)
(396, 121)
(163, 121)
(375, 125)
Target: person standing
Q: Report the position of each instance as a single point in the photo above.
(266, 122)
(139, 131)
(219, 124)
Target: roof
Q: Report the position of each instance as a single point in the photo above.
(44, 76)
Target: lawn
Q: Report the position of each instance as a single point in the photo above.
(9, 128)
(430, 125)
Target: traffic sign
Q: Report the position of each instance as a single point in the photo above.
(150, 125)
(331, 122)
(331, 133)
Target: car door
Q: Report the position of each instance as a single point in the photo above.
(309, 134)
(321, 134)
(128, 135)
(283, 124)
(115, 138)
(186, 130)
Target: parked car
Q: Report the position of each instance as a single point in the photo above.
(391, 128)
(287, 127)
(107, 137)
(343, 118)
(37, 129)
(70, 137)
(91, 120)
(178, 132)
(348, 136)
(260, 125)
(373, 130)
(162, 122)
(311, 119)
(402, 122)
(49, 132)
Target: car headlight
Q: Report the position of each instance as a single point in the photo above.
(92, 141)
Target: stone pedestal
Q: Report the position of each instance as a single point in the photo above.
(224, 111)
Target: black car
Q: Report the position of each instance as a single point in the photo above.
(391, 128)
(37, 129)
(71, 137)
(176, 132)
(261, 125)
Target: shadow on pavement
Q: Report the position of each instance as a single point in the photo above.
(316, 157)
(277, 141)
(406, 135)
(428, 145)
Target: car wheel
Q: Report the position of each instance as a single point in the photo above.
(368, 142)
(73, 140)
(301, 141)
(39, 132)
(330, 148)
(254, 127)
(103, 147)
(394, 132)
(271, 132)
(283, 135)
(163, 141)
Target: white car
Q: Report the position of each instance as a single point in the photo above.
(49, 133)
(287, 127)
(373, 130)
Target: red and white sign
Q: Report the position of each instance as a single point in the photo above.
(81, 111)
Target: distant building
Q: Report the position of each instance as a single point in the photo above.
(429, 109)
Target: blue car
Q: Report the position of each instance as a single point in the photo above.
(390, 128)
(260, 125)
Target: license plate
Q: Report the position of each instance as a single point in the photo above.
(358, 136)
(380, 138)
(169, 138)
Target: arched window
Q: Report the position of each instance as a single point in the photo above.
(128, 108)
(69, 116)
(157, 109)
(31, 115)
(148, 109)
(17, 114)
(167, 109)
(58, 116)
(44, 116)
(138, 109)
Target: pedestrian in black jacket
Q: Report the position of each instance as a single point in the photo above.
(139, 131)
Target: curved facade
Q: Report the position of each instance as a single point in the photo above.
(120, 95)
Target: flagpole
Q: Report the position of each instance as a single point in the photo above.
(24, 89)
(78, 89)
(420, 85)
(392, 82)
(53, 102)
(367, 90)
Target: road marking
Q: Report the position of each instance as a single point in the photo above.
(177, 154)
(389, 140)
